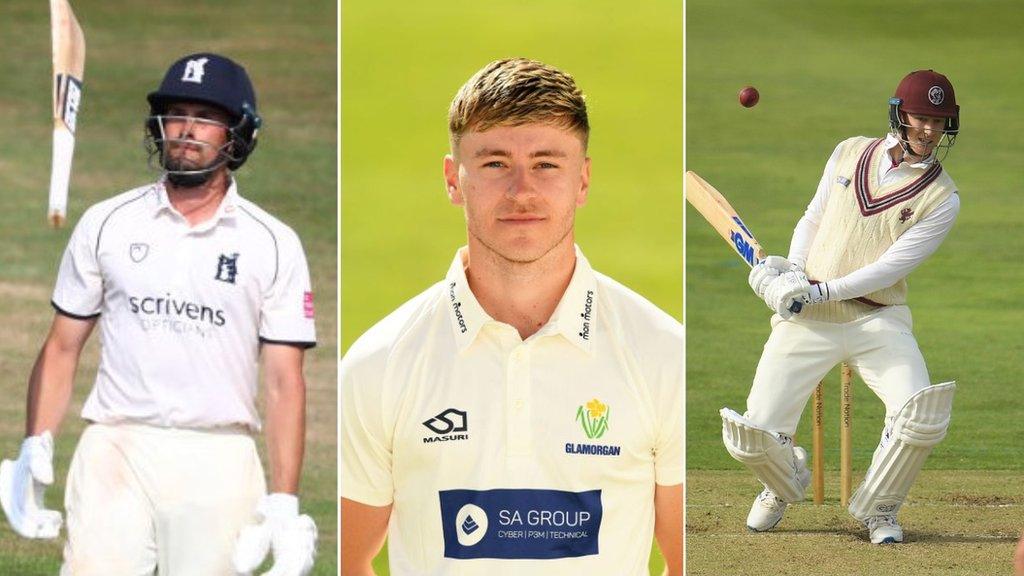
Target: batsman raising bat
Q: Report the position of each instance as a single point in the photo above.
(883, 205)
(194, 288)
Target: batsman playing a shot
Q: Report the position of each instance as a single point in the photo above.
(524, 415)
(883, 205)
(193, 287)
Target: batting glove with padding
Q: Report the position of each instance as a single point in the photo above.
(765, 271)
(784, 290)
(280, 528)
(22, 483)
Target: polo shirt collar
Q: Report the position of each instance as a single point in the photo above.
(576, 313)
(464, 311)
(573, 318)
(227, 209)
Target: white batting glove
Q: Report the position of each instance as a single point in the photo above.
(784, 290)
(22, 483)
(291, 537)
(764, 272)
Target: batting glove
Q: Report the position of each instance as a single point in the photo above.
(784, 290)
(764, 272)
(291, 537)
(22, 483)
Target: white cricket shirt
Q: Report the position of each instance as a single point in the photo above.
(505, 456)
(182, 310)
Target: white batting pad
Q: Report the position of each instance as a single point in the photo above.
(778, 466)
(919, 426)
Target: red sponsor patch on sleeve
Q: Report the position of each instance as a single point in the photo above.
(307, 304)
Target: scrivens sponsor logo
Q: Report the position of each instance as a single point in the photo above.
(520, 523)
(177, 315)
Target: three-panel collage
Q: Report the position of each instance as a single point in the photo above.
(522, 288)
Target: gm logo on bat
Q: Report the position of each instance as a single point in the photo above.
(743, 247)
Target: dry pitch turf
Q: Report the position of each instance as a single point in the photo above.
(955, 523)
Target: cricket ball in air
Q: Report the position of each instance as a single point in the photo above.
(749, 96)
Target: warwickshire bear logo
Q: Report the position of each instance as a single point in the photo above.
(594, 418)
(227, 268)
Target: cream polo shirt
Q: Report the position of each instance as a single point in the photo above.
(182, 310)
(505, 456)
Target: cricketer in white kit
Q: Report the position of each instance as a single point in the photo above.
(192, 287)
(882, 207)
(524, 415)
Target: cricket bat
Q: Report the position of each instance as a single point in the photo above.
(68, 69)
(724, 219)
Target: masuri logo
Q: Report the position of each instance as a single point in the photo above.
(593, 417)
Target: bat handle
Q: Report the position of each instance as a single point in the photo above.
(796, 307)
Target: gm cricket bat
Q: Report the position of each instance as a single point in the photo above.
(724, 219)
(68, 68)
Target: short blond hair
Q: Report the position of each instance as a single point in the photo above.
(514, 92)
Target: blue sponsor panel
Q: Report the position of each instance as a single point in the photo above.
(520, 523)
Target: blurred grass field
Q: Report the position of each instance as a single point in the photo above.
(289, 50)
(400, 70)
(825, 75)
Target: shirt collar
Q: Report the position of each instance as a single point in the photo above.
(892, 142)
(227, 209)
(466, 315)
(574, 317)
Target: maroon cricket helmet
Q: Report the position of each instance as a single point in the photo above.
(928, 93)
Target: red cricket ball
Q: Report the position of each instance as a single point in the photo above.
(749, 96)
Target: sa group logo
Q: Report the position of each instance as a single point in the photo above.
(470, 525)
(446, 425)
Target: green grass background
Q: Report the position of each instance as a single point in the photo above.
(290, 52)
(401, 65)
(825, 72)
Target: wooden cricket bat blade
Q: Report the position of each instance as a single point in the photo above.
(68, 42)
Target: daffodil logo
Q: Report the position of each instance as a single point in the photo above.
(594, 418)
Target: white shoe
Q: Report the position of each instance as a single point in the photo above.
(767, 511)
(884, 529)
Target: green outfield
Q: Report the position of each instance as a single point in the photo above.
(290, 52)
(400, 69)
(824, 75)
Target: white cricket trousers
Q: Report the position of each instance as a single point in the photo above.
(880, 347)
(145, 500)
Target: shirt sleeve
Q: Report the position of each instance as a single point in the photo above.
(366, 454)
(287, 315)
(807, 227)
(907, 253)
(79, 289)
(669, 468)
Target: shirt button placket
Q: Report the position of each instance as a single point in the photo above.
(519, 433)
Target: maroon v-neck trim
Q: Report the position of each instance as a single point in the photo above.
(862, 184)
